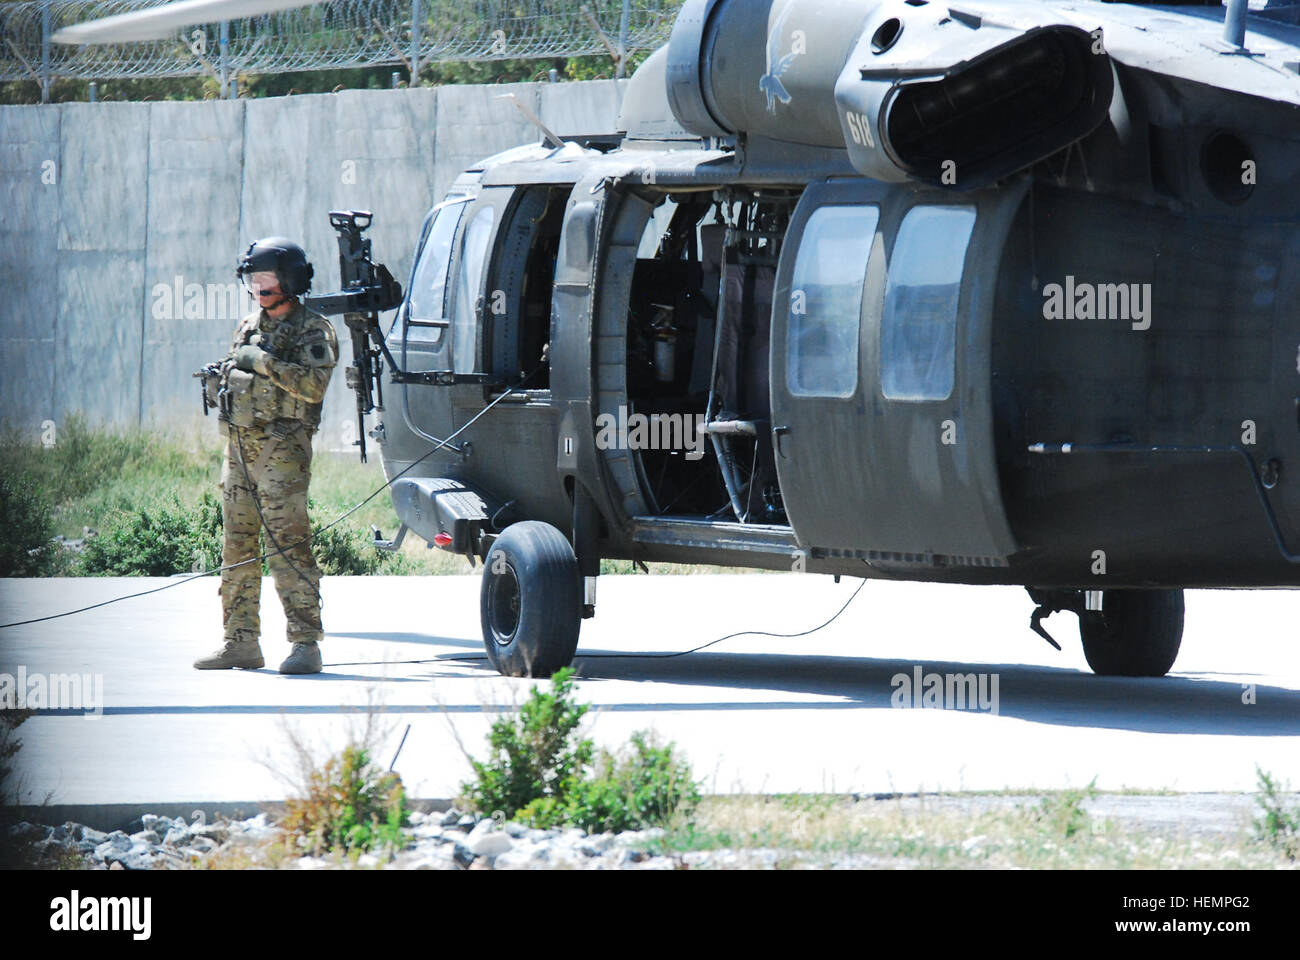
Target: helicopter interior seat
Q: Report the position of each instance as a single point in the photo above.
(674, 297)
(670, 344)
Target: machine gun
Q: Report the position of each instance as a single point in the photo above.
(210, 371)
(368, 288)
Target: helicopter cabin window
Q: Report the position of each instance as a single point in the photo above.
(826, 300)
(918, 332)
(469, 284)
(426, 305)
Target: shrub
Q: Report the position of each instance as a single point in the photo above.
(348, 805)
(171, 538)
(10, 744)
(344, 552)
(644, 785)
(532, 757)
(158, 541)
(540, 772)
(26, 527)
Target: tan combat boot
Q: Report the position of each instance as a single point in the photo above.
(305, 658)
(236, 653)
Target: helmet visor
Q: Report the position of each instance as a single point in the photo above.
(262, 285)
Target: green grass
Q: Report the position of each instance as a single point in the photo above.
(88, 473)
(1046, 830)
(99, 478)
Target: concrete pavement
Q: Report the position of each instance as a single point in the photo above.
(815, 713)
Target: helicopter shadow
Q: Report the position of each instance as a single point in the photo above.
(421, 638)
(1050, 695)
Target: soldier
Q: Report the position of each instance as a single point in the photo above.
(269, 393)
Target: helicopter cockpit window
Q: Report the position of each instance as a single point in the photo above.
(918, 332)
(473, 256)
(426, 309)
(826, 300)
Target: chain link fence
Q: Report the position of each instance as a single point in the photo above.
(331, 35)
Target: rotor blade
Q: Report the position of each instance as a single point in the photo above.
(158, 23)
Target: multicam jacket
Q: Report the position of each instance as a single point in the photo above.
(303, 349)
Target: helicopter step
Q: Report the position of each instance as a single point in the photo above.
(689, 532)
(445, 512)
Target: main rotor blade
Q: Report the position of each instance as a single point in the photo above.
(159, 23)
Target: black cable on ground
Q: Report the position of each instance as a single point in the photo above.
(628, 656)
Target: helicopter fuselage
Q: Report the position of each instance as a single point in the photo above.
(740, 350)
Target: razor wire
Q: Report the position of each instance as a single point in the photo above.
(331, 35)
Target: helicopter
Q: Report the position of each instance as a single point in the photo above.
(986, 292)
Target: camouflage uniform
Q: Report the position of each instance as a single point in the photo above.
(273, 414)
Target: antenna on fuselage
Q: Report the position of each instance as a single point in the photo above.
(534, 119)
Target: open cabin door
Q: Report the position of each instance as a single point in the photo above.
(880, 370)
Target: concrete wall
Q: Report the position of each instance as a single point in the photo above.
(120, 225)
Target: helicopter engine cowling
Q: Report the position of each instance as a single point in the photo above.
(913, 90)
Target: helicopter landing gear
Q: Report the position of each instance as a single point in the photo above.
(1136, 633)
(531, 601)
(1129, 633)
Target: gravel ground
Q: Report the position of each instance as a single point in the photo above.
(447, 841)
(452, 840)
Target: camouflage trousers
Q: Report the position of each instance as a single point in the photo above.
(278, 459)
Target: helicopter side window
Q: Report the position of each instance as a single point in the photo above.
(826, 300)
(473, 256)
(426, 307)
(918, 332)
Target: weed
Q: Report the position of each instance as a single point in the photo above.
(10, 792)
(26, 526)
(345, 804)
(1276, 826)
(1062, 814)
(349, 806)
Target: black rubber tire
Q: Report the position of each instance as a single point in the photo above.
(531, 601)
(1137, 634)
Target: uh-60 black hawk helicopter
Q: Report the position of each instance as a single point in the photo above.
(969, 292)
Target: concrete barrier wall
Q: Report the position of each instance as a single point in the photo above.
(121, 223)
